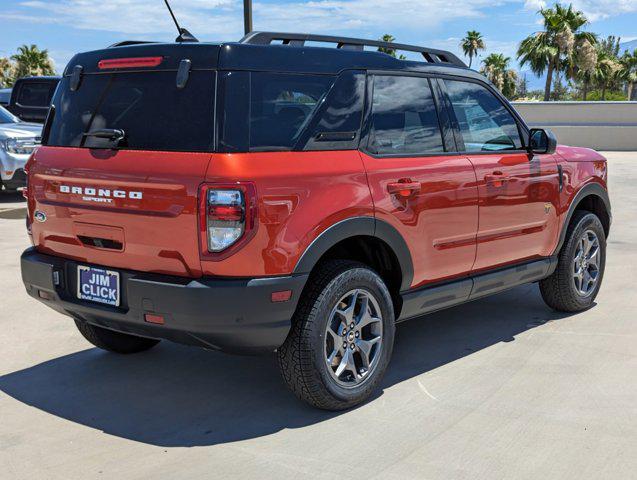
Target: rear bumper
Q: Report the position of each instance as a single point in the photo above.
(235, 315)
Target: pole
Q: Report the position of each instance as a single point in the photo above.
(247, 16)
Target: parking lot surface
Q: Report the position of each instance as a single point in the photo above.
(499, 388)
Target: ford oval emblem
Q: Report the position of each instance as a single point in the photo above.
(40, 216)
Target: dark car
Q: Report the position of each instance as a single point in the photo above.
(31, 98)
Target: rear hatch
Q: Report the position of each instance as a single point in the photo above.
(126, 147)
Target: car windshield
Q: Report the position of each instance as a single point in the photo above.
(7, 117)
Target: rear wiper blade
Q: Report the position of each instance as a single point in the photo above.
(114, 134)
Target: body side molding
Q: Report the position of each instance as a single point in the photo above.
(430, 299)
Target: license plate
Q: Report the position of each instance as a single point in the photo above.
(98, 285)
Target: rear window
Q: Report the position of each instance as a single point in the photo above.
(36, 94)
(148, 107)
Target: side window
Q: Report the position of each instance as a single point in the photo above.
(404, 117)
(35, 94)
(484, 122)
(337, 123)
(281, 106)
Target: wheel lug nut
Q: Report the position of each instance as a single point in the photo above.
(351, 346)
(351, 325)
(345, 345)
(357, 334)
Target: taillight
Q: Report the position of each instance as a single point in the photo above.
(226, 216)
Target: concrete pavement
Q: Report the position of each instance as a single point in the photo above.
(499, 388)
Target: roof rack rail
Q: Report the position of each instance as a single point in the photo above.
(431, 55)
(129, 42)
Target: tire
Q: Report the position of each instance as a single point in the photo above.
(562, 291)
(112, 341)
(303, 358)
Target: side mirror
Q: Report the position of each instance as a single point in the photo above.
(542, 141)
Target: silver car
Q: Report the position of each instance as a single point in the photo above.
(18, 139)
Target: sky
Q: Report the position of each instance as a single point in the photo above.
(65, 27)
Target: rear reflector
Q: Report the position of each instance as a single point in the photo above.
(282, 296)
(151, 318)
(136, 62)
(44, 295)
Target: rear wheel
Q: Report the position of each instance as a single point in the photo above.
(580, 269)
(342, 337)
(114, 341)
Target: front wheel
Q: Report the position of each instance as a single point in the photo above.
(580, 268)
(341, 339)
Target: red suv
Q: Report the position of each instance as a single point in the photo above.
(268, 195)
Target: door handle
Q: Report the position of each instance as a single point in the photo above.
(403, 189)
(496, 179)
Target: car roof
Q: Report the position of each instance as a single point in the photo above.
(258, 54)
(34, 78)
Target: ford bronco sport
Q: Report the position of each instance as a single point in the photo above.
(276, 195)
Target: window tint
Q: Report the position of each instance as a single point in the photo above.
(153, 113)
(485, 123)
(337, 124)
(36, 94)
(281, 106)
(404, 117)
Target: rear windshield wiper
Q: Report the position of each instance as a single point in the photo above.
(113, 134)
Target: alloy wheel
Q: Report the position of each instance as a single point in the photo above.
(353, 338)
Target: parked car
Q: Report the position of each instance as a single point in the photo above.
(31, 97)
(18, 139)
(5, 96)
(268, 196)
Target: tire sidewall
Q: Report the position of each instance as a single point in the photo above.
(357, 278)
(588, 222)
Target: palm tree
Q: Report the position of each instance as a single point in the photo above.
(30, 60)
(471, 44)
(585, 64)
(554, 48)
(496, 69)
(629, 70)
(606, 72)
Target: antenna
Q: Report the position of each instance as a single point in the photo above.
(184, 35)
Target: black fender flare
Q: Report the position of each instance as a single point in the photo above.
(357, 226)
(589, 189)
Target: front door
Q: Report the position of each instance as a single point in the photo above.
(518, 192)
(428, 195)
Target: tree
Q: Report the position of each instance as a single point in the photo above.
(553, 48)
(628, 73)
(585, 64)
(606, 72)
(390, 51)
(30, 60)
(472, 44)
(496, 69)
(7, 72)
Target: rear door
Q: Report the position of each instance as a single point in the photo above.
(426, 193)
(127, 203)
(519, 192)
